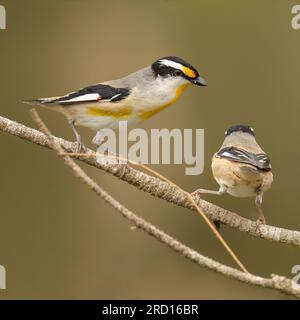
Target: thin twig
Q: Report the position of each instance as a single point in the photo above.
(276, 282)
(158, 188)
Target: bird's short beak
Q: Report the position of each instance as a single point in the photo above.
(199, 82)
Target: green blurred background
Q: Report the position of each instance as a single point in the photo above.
(59, 240)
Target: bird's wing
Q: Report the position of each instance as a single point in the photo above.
(94, 93)
(260, 160)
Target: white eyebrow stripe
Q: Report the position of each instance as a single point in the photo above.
(172, 64)
(85, 97)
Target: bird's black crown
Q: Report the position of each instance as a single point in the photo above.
(178, 60)
(240, 128)
(159, 68)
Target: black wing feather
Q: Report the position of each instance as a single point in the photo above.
(259, 160)
(105, 92)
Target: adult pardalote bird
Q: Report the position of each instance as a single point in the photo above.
(136, 97)
(241, 167)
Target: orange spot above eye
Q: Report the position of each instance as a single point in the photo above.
(189, 72)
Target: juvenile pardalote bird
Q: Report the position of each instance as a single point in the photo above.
(241, 167)
(134, 98)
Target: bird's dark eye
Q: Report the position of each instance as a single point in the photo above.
(177, 72)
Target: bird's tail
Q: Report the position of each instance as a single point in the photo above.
(41, 101)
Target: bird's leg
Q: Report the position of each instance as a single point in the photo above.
(220, 192)
(258, 201)
(80, 146)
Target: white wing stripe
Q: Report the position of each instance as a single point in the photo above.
(260, 161)
(85, 97)
(228, 154)
(115, 96)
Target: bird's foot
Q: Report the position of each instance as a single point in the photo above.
(261, 218)
(197, 193)
(80, 147)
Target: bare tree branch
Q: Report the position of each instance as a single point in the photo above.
(188, 195)
(276, 282)
(158, 188)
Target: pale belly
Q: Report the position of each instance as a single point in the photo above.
(242, 191)
(99, 116)
(97, 123)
